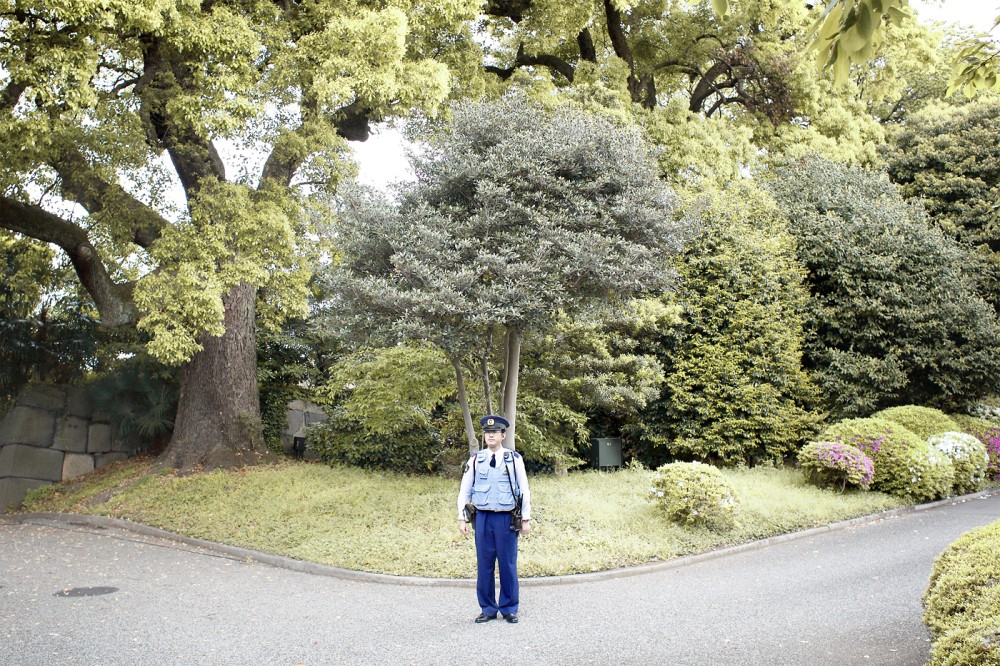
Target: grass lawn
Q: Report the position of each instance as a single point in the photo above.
(406, 525)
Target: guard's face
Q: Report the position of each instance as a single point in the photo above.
(494, 437)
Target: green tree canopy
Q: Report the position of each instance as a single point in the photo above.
(948, 159)
(517, 214)
(103, 103)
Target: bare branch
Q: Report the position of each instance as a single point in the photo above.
(113, 301)
(522, 60)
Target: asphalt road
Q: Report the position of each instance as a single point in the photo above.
(846, 596)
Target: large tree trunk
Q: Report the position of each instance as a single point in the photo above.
(511, 374)
(218, 413)
(463, 400)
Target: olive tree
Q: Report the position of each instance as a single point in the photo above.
(518, 214)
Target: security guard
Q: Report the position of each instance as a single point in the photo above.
(493, 478)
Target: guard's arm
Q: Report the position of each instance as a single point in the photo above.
(522, 484)
(465, 490)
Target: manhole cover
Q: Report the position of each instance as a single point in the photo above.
(85, 592)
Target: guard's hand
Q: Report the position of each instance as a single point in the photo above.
(463, 527)
(525, 528)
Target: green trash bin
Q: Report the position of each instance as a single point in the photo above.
(606, 452)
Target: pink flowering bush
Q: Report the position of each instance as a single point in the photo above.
(694, 494)
(905, 465)
(993, 451)
(836, 464)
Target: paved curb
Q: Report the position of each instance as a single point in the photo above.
(303, 566)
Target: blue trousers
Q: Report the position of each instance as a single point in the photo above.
(496, 544)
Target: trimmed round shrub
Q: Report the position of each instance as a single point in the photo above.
(836, 464)
(695, 494)
(924, 474)
(905, 465)
(924, 421)
(968, 457)
(986, 431)
(962, 601)
(972, 643)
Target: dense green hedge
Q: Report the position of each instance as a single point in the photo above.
(924, 421)
(962, 602)
(894, 316)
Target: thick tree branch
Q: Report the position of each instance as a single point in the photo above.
(616, 31)
(163, 79)
(113, 301)
(512, 9)
(82, 185)
(586, 44)
(522, 60)
(638, 88)
(706, 86)
(11, 94)
(351, 122)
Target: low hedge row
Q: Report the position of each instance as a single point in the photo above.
(916, 452)
(962, 601)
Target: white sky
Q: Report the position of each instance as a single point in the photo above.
(381, 158)
(977, 13)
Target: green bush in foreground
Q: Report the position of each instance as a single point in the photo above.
(968, 457)
(836, 464)
(924, 421)
(905, 465)
(695, 494)
(962, 601)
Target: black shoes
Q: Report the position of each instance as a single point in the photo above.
(511, 618)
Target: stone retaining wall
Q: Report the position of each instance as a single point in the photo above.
(52, 434)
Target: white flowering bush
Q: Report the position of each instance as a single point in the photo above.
(694, 494)
(836, 465)
(920, 473)
(968, 456)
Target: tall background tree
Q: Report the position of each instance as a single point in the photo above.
(104, 105)
(894, 316)
(948, 159)
(735, 390)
